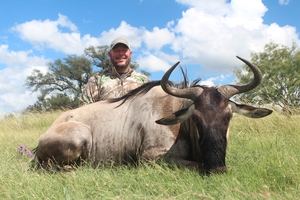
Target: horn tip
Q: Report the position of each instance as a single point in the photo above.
(242, 59)
(176, 64)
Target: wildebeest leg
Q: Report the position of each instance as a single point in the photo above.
(192, 165)
(65, 143)
(156, 153)
(186, 163)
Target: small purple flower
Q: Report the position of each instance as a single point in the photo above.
(30, 154)
(23, 150)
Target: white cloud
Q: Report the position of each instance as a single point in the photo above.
(212, 34)
(11, 102)
(157, 38)
(65, 22)
(132, 34)
(247, 14)
(153, 63)
(49, 34)
(14, 96)
(283, 35)
(284, 2)
(213, 7)
(211, 81)
(157, 61)
(208, 82)
(208, 34)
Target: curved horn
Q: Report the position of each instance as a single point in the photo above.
(230, 90)
(189, 93)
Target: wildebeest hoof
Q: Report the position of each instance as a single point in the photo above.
(67, 168)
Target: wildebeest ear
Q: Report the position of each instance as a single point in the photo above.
(178, 116)
(250, 111)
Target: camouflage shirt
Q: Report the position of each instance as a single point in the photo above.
(109, 84)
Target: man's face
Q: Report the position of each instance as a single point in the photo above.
(120, 57)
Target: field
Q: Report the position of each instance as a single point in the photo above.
(263, 159)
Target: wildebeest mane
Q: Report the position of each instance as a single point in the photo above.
(143, 89)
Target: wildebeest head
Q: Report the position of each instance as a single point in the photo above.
(211, 112)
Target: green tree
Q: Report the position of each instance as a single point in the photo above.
(58, 101)
(67, 76)
(61, 101)
(280, 66)
(99, 56)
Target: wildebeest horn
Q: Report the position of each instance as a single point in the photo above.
(189, 93)
(230, 90)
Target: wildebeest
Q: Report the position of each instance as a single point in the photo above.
(185, 126)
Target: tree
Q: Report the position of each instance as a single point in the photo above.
(99, 56)
(57, 101)
(67, 76)
(280, 66)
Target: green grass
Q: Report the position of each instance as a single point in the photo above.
(263, 160)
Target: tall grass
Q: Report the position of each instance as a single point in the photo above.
(263, 161)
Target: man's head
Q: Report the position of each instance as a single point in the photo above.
(120, 55)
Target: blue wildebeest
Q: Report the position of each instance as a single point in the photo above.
(186, 126)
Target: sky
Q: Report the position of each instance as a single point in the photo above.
(205, 36)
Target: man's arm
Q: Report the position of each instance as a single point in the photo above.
(90, 92)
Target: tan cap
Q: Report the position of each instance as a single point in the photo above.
(119, 41)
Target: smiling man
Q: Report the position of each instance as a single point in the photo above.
(116, 81)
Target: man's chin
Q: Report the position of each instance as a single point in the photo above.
(120, 66)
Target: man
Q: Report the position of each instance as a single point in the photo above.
(118, 80)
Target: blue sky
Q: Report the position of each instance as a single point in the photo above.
(204, 35)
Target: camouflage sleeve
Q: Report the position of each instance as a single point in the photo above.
(90, 91)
